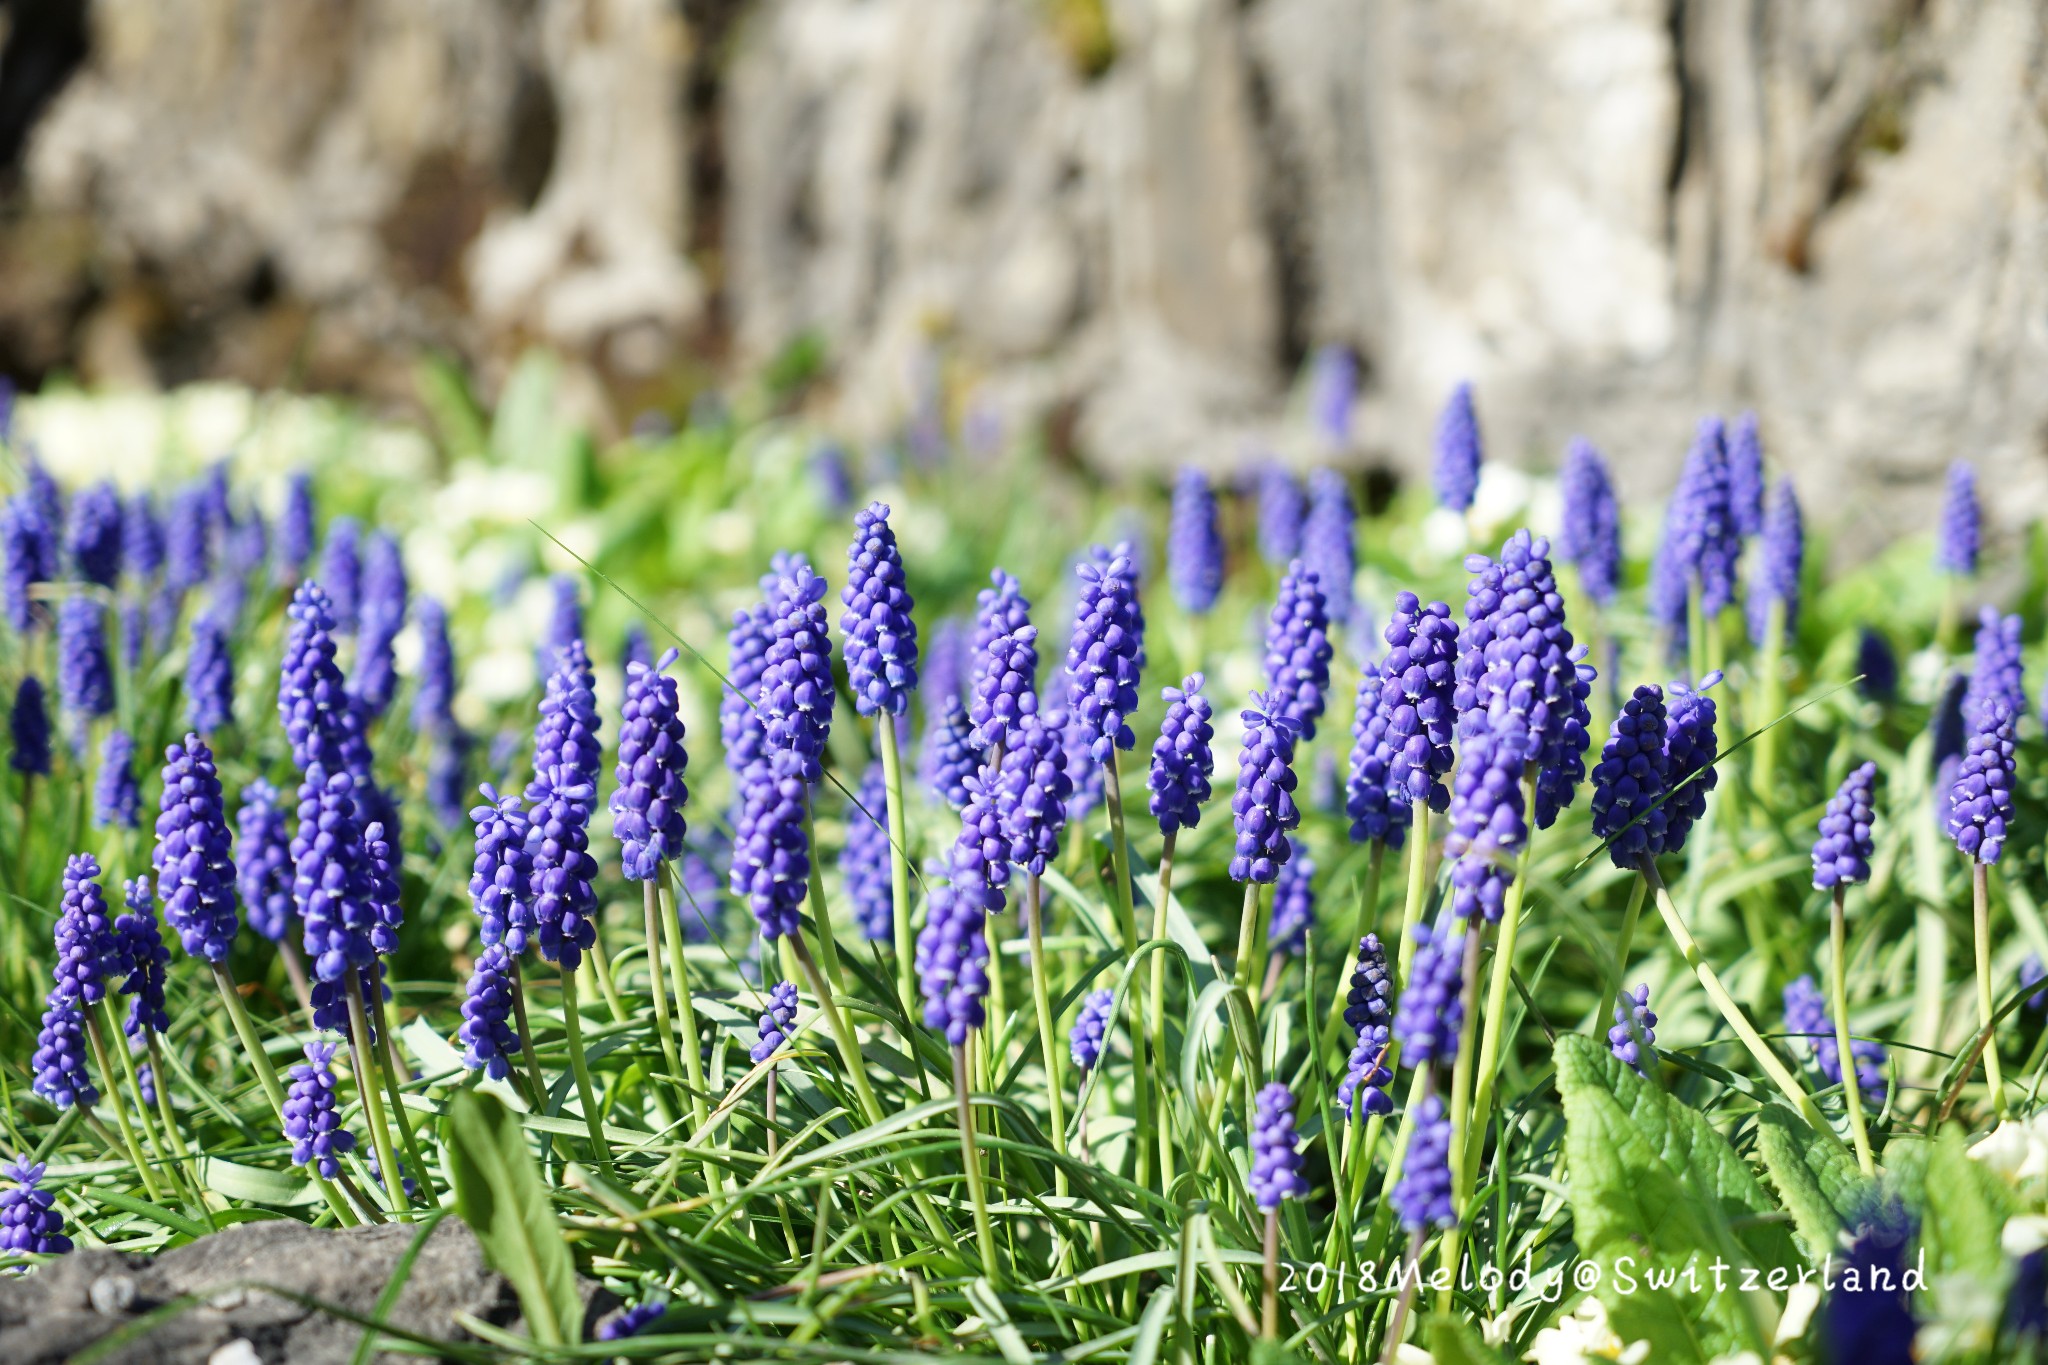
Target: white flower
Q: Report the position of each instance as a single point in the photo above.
(2017, 1150)
(1585, 1336)
(2024, 1235)
(1800, 1302)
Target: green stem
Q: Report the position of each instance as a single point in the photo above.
(650, 904)
(1980, 903)
(1695, 632)
(110, 1081)
(686, 1009)
(984, 1235)
(821, 911)
(394, 1088)
(899, 867)
(1048, 1036)
(1156, 1025)
(1127, 921)
(586, 1093)
(601, 968)
(1838, 988)
(1464, 1117)
(526, 1043)
(1418, 890)
(1770, 701)
(1637, 888)
(1269, 1322)
(1368, 905)
(363, 1052)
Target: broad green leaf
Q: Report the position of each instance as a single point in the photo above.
(1819, 1182)
(1964, 1210)
(1652, 1188)
(1453, 1342)
(498, 1192)
(1152, 1327)
(257, 1185)
(1266, 1352)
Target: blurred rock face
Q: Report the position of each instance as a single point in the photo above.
(1608, 217)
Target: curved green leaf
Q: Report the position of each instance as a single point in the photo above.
(498, 1192)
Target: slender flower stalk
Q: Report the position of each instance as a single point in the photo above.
(1841, 859)
(1980, 807)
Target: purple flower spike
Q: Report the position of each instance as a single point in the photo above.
(1000, 609)
(1630, 780)
(1082, 769)
(1104, 657)
(1489, 827)
(1005, 689)
(1842, 853)
(1194, 544)
(1997, 678)
(950, 662)
(740, 729)
(1420, 699)
(1701, 542)
(1780, 558)
(263, 861)
(146, 959)
(320, 719)
(952, 961)
(1980, 800)
(142, 538)
(796, 679)
(88, 949)
(1332, 388)
(1690, 748)
(341, 571)
(1294, 902)
(1955, 552)
(28, 723)
(881, 637)
(771, 857)
(1182, 760)
(1806, 1016)
(312, 1113)
(1298, 650)
(1746, 476)
(1281, 509)
(558, 840)
(1378, 809)
(30, 1224)
(116, 801)
(92, 535)
(1422, 1198)
(59, 1062)
(382, 614)
(27, 557)
(777, 1022)
(565, 623)
(949, 757)
(647, 807)
(566, 750)
(1328, 541)
(501, 874)
(195, 872)
(1589, 534)
(1263, 809)
(1635, 1029)
(1457, 451)
(866, 862)
(295, 528)
(1035, 790)
(1363, 1090)
(433, 704)
(332, 885)
(980, 860)
(85, 673)
(209, 677)
(1431, 1011)
(1091, 1029)
(632, 1321)
(489, 1040)
(1276, 1164)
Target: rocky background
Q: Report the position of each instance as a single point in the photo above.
(1134, 218)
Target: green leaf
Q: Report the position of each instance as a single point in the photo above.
(498, 1192)
(1820, 1184)
(1453, 1342)
(1653, 1189)
(156, 1213)
(256, 1185)
(1964, 1210)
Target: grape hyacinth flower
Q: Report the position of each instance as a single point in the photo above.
(1182, 760)
(1868, 1315)
(25, 560)
(1000, 609)
(381, 614)
(142, 538)
(632, 1320)
(566, 750)
(1091, 1030)
(1363, 1090)
(247, 547)
(1005, 689)
(295, 527)
(312, 1113)
(92, 535)
(116, 801)
(1294, 902)
(1635, 1029)
(30, 1224)
(1328, 547)
(1034, 791)
(1489, 827)
(341, 572)
(1961, 530)
(740, 730)
(1332, 388)
(1746, 477)
(1690, 748)
(1431, 1010)
(488, 1038)
(881, 637)
(1298, 650)
(1980, 801)
(188, 554)
(85, 674)
(331, 885)
(634, 647)
(319, 719)
(1422, 1197)
(1806, 1016)
(1842, 853)
(865, 860)
(1775, 579)
(1877, 667)
(1276, 1164)
(1082, 769)
(1281, 511)
(647, 807)
(1630, 780)
(1194, 544)
(952, 961)
(433, 703)
(1589, 532)
(1701, 543)
(1458, 451)
(1103, 658)
(951, 665)
(949, 757)
(1378, 809)
(778, 1021)
(2032, 973)
(142, 953)
(59, 1062)
(1997, 676)
(28, 723)
(88, 949)
(1263, 809)
(558, 839)
(771, 857)
(1421, 698)
(209, 677)
(195, 869)
(1371, 997)
(796, 677)
(501, 873)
